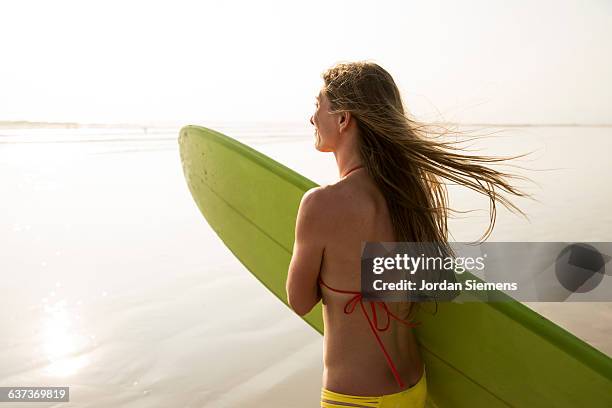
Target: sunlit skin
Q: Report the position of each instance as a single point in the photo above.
(335, 133)
(332, 222)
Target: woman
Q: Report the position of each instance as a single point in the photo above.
(390, 189)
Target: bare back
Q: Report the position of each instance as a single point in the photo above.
(353, 361)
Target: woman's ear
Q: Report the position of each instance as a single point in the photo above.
(343, 121)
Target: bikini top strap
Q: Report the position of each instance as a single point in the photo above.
(337, 290)
(349, 307)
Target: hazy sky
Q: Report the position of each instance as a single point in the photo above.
(132, 61)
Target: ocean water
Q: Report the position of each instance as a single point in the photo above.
(115, 285)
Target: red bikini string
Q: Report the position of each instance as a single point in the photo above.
(353, 169)
(349, 308)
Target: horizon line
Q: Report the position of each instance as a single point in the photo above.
(73, 125)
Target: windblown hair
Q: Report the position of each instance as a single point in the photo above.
(409, 160)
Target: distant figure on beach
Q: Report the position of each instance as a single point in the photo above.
(391, 188)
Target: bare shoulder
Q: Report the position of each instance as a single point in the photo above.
(335, 202)
(323, 203)
(316, 200)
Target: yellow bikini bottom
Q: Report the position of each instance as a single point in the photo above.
(413, 397)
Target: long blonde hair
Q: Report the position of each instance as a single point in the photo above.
(406, 161)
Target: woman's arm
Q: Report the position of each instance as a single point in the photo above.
(303, 290)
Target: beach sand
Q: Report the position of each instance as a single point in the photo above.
(114, 284)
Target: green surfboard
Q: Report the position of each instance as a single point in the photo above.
(478, 354)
